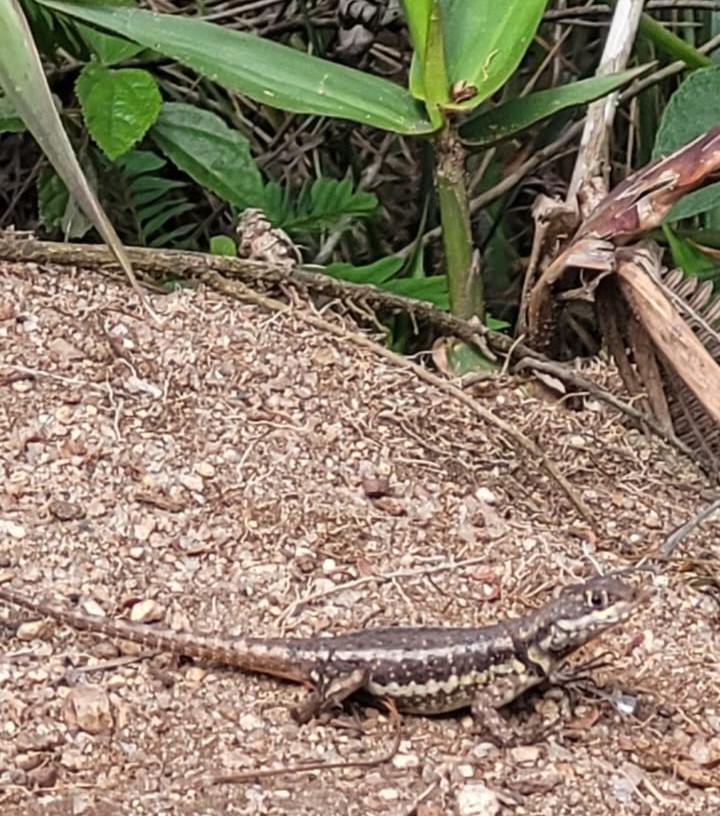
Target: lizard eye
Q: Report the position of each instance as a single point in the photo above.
(597, 598)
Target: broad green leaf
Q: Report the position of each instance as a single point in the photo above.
(417, 17)
(381, 274)
(375, 273)
(268, 72)
(23, 80)
(213, 154)
(692, 110)
(484, 128)
(433, 289)
(118, 106)
(496, 324)
(109, 50)
(485, 41)
(695, 203)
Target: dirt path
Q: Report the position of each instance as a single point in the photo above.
(221, 467)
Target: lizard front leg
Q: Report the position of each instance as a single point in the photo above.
(490, 722)
(330, 693)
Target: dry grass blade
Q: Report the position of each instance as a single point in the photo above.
(673, 338)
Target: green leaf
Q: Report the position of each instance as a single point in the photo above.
(381, 274)
(464, 359)
(688, 257)
(268, 72)
(23, 79)
(433, 289)
(436, 86)
(325, 203)
(676, 47)
(52, 199)
(692, 110)
(496, 324)
(223, 245)
(695, 203)
(118, 106)
(109, 50)
(417, 16)
(214, 155)
(485, 41)
(9, 121)
(57, 210)
(375, 273)
(487, 127)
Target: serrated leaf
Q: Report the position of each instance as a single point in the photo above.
(485, 128)
(118, 105)
(211, 153)
(268, 72)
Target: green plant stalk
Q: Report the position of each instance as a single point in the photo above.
(464, 282)
(671, 44)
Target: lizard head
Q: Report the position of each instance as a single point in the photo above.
(583, 611)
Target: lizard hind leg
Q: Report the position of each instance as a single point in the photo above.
(330, 693)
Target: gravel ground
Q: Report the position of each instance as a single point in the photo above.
(239, 470)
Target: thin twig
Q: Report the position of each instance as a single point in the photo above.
(380, 578)
(265, 773)
(683, 531)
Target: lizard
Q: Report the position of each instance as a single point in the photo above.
(419, 670)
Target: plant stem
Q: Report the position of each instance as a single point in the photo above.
(464, 281)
